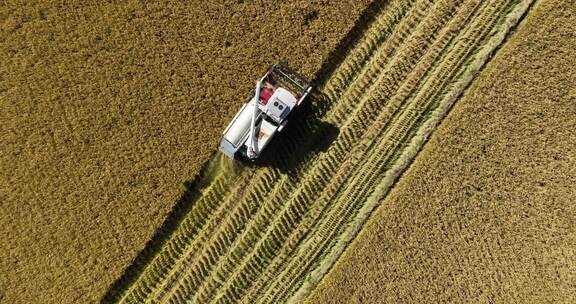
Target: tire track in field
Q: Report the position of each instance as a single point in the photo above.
(266, 235)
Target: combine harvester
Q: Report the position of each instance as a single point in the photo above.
(277, 94)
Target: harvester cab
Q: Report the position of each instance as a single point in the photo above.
(277, 94)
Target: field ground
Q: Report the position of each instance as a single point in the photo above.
(486, 212)
(108, 108)
(268, 234)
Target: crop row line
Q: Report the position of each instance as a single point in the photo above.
(214, 236)
(447, 98)
(343, 166)
(353, 193)
(163, 263)
(239, 216)
(186, 249)
(331, 162)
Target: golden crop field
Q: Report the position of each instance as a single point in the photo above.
(269, 233)
(486, 212)
(108, 107)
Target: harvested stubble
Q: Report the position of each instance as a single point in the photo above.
(288, 226)
(108, 107)
(486, 212)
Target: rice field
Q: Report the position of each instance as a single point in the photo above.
(269, 233)
(486, 213)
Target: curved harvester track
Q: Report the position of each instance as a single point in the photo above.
(268, 234)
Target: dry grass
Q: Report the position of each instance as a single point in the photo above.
(486, 213)
(108, 108)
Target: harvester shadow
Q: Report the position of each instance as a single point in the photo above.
(305, 135)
